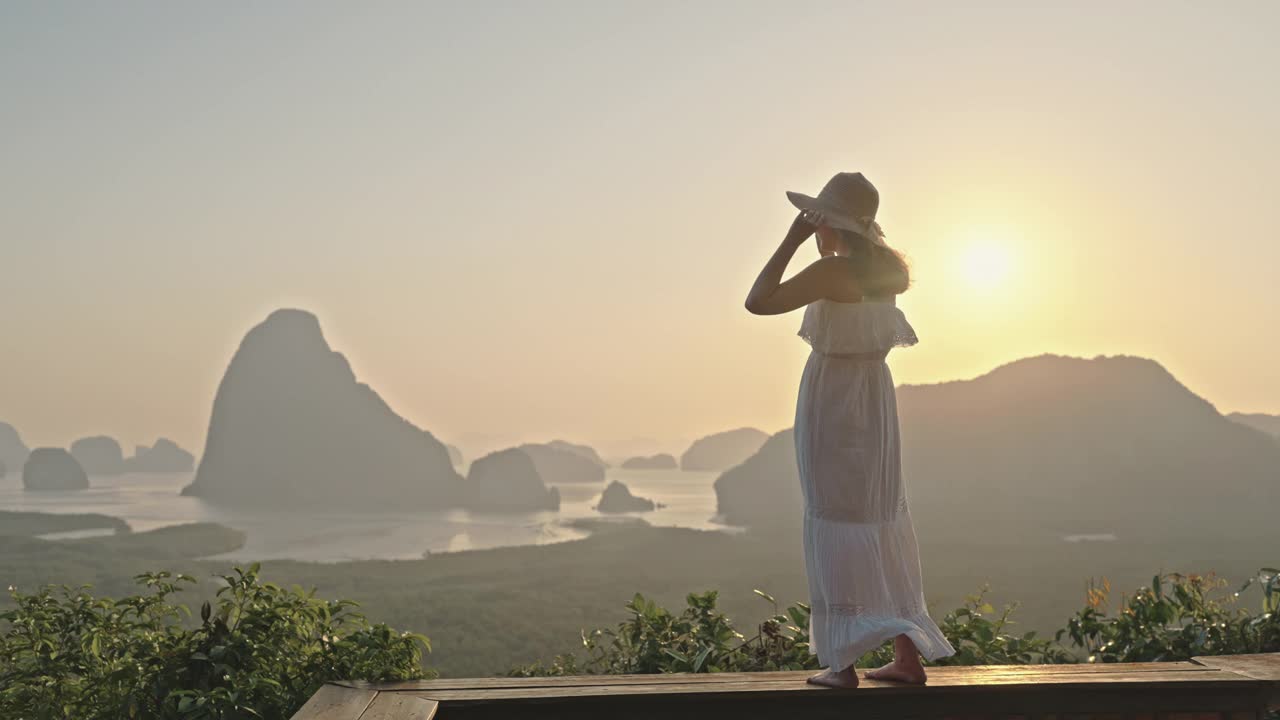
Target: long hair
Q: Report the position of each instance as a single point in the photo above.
(879, 270)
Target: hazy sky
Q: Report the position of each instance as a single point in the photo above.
(538, 219)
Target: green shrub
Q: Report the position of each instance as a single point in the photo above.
(1175, 619)
(699, 639)
(258, 651)
(702, 639)
(981, 641)
(1177, 623)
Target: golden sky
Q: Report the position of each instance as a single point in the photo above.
(536, 220)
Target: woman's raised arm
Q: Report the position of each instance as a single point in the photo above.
(828, 277)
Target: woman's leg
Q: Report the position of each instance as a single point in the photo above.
(906, 665)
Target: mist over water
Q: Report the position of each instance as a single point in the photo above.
(150, 501)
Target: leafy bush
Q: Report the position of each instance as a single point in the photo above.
(702, 639)
(1177, 623)
(1156, 624)
(699, 639)
(980, 641)
(259, 651)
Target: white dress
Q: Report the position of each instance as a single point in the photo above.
(860, 550)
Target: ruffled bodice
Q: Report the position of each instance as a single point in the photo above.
(838, 328)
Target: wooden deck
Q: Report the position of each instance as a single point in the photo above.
(1229, 687)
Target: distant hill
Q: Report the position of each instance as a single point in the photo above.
(98, 455)
(291, 426)
(661, 461)
(1269, 424)
(585, 451)
(1108, 444)
(163, 457)
(722, 450)
(13, 453)
(558, 464)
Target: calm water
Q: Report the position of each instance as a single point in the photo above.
(147, 502)
(1090, 537)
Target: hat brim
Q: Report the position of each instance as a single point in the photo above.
(835, 217)
(802, 201)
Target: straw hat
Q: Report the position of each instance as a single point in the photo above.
(848, 201)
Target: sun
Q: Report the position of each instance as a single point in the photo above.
(985, 263)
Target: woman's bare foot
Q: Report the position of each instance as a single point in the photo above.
(846, 678)
(900, 671)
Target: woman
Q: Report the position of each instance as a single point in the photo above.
(859, 542)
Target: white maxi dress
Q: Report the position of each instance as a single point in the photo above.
(860, 549)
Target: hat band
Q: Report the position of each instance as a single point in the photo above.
(866, 226)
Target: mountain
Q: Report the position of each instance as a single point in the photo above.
(13, 453)
(163, 457)
(1111, 444)
(661, 461)
(292, 426)
(98, 455)
(53, 469)
(508, 480)
(1114, 440)
(722, 450)
(1269, 424)
(558, 465)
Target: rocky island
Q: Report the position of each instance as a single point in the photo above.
(98, 455)
(617, 498)
(53, 469)
(13, 453)
(508, 480)
(292, 426)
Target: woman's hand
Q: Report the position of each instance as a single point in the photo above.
(815, 217)
(803, 226)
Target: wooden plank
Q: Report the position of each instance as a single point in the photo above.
(335, 702)
(1262, 666)
(1221, 684)
(994, 683)
(1059, 702)
(400, 706)
(976, 671)
(574, 680)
